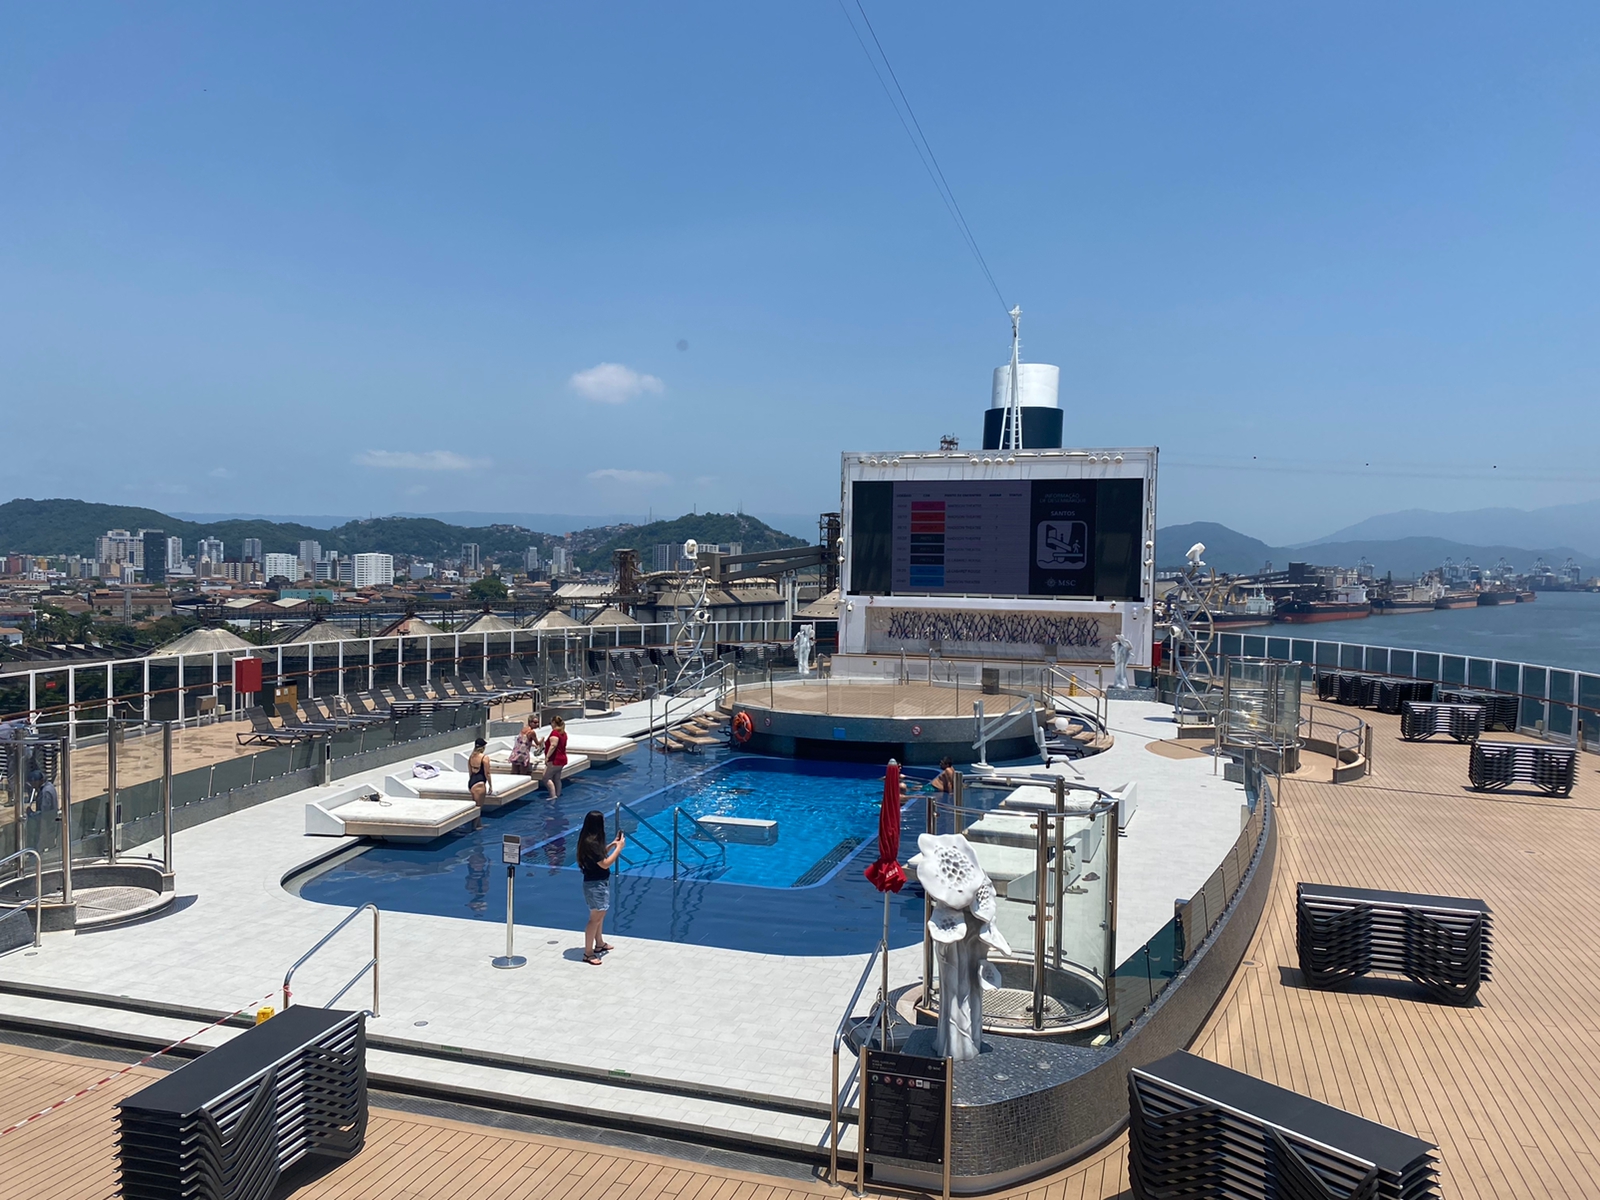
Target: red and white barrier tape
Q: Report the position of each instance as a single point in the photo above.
(149, 1058)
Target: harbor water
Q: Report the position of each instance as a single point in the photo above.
(1559, 629)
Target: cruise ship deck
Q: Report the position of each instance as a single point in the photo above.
(1505, 1087)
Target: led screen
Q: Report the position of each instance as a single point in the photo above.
(1041, 537)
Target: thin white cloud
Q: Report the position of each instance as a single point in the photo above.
(417, 460)
(220, 473)
(630, 478)
(613, 383)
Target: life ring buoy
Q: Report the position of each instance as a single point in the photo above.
(743, 727)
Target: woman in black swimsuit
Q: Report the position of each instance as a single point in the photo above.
(478, 778)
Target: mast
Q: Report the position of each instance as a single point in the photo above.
(1013, 438)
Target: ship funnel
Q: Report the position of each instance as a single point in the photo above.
(1038, 388)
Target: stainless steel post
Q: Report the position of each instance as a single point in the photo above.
(17, 780)
(1041, 865)
(113, 735)
(1110, 840)
(64, 815)
(1060, 872)
(510, 959)
(833, 1121)
(166, 796)
(675, 811)
(931, 825)
(861, 1124)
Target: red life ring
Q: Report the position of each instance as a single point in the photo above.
(743, 727)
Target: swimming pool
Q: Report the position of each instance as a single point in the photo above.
(803, 894)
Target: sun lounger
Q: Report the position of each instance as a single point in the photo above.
(396, 814)
(264, 733)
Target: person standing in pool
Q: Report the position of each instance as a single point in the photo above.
(595, 859)
(555, 757)
(945, 780)
(478, 778)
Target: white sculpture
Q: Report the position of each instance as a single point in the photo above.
(1121, 651)
(804, 642)
(963, 934)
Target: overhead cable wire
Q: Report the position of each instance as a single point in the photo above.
(920, 143)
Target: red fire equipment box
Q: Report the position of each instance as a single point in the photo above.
(247, 676)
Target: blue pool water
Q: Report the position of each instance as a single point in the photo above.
(805, 894)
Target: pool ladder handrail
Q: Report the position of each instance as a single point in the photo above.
(643, 822)
(715, 836)
(38, 888)
(371, 964)
(847, 1023)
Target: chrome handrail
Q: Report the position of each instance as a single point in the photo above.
(38, 888)
(838, 1039)
(370, 965)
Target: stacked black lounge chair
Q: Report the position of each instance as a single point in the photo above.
(226, 1126)
(1391, 695)
(1553, 769)
(1421, 718)
(1499, 710)
(1196, 1128)
(1440, 942)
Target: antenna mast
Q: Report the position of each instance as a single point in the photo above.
(1013, 439)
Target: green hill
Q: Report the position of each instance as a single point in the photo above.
(71, 527)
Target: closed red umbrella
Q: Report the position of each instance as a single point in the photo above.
(886, 874)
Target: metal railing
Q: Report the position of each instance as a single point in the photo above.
(851, 1024)
(38, 889)
(991, 728)
(706, 832)
(371, 964)
(1350, 735)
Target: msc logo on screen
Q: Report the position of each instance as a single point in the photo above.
(1063, 545)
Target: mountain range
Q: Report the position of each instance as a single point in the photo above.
(1406, 557)
(1575, 525)
(71, 527)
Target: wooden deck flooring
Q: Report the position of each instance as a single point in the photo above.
(1507, 1088)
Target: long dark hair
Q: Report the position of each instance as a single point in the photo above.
(592, 838)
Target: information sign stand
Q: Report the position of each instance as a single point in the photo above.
(905, 1112)
(511, 855)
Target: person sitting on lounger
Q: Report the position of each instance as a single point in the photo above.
(522, 750)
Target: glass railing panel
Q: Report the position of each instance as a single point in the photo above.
(345, 742)
(1533, 681)
(140, 800)
(1507, 677)
(1350, 657)
(1427, 666)
(1278, 647)
(191, 787)
(1402, 662)
(1479, 673)
(1452, 670)
(1326, 654)
(230, 774)
(1376, 658)
(1560, 719)
(270, 764)
(1255, 646)
(1303, 650)
(1562, 686)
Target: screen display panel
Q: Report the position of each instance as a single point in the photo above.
(1040, 538)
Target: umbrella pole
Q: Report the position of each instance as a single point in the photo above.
(883, 1040)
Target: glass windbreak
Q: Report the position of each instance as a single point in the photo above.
(1052, 862)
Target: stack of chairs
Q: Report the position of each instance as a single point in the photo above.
(1439, 942)
(1391, 695)
(1196, 1128)
(1424, 718)
(1499, 711)
(228, 1124)
(1553, 769)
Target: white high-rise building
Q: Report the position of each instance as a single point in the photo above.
(174, 553)
(211, 548)
(558, 560)
(252, 550)
(286, 565)
(530, 560)
(310, 556)
(471, 559)
(374, 570)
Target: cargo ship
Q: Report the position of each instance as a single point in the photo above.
(1457, 600)
(1257, 609)
(1344, 604)
(1415, 598)
(1527, 597)
(1497, 596)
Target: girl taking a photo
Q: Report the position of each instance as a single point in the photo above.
(595, 859)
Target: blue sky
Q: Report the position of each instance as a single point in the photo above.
(1334, 260)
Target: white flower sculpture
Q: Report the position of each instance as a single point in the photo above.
(963, 934)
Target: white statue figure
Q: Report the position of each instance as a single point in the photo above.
(963, 934)
(1121, 651)
(804, 642)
